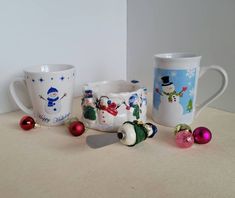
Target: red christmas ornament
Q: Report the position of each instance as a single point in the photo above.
(27, 123)
(76, 128)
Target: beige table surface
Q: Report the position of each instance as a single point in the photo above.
(48, 162)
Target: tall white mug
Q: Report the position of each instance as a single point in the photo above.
(176, 77)
(50, 89)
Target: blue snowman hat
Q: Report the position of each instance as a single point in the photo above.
(154, 128)
(132, 99)
(52, 90)
(88, 93)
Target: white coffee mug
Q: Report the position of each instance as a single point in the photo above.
(176, 77)
(50, 88)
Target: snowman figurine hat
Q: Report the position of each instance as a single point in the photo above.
(52, 90)
(153, 130)
(132, 99)
(88, 93)
(166, 81)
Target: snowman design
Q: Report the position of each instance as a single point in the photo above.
(107, 110)
(135, 106)
(89, 107)
(170, 99)
(53, 101)
(143, 101)
(168, 90)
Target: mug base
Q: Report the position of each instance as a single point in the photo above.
(170, 124)
(49, 124)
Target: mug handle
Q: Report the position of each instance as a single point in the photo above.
(221, 90)
(16, 98)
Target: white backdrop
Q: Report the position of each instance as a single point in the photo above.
(89, 34)
(205, 27)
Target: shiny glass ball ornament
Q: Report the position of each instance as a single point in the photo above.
(182, 127)
(184, 139)
(77, 128)
(27, 123)
(202, 135)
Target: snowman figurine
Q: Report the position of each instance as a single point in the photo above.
(53, 101)
(135, 106)
(107, 110)
(143, 101)
(89, 108)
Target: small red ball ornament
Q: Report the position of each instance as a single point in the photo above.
(76, 128)
(27, 123)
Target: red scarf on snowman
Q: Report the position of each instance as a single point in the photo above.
(111, 108)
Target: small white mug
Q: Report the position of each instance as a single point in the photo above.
(176, 77)
(50, 88)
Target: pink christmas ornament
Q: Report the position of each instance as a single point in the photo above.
(202, 135)
(184, 139)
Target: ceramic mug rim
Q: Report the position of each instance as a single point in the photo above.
(94, 85)
(177, 56)
(48, 68)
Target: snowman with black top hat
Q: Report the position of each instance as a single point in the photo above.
(170, 99)
(168, 91)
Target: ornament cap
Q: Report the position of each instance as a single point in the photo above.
(182, 127)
